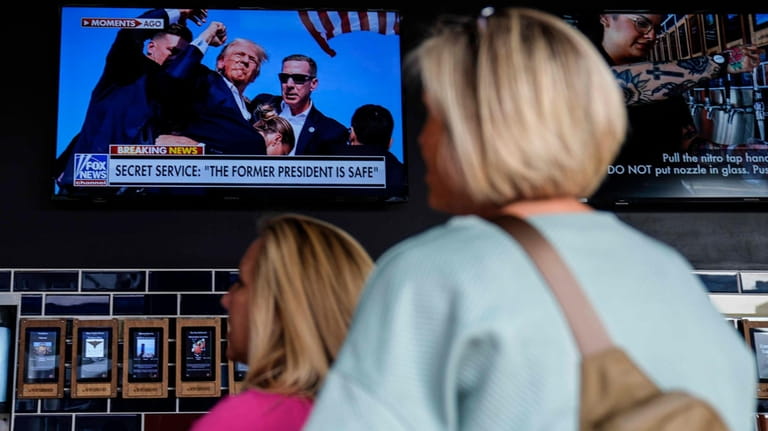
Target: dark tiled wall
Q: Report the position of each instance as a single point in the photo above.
(123, 294)
(163, 293)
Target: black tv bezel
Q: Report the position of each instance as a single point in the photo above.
(234, 198)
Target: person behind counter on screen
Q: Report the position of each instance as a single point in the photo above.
(316, 133)
(456, 329)
(659, 114)
(288, 316)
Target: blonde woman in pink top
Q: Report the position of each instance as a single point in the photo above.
(288, 316)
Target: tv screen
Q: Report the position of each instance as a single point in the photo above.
(145, 363)
(42, 355)
(144, 120)
(240, 371)
(704, 145)
(198, 360)
(760, 21)
(94, 363)
(759, 341)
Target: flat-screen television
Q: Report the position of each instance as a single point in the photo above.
(708, 148)
(115, 101)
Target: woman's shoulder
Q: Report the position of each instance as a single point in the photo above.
(236, 412)
(458, 229)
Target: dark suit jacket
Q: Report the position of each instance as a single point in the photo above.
(319, 136)
(199, 104)
(122, 107)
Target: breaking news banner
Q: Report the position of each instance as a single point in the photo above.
(158, 150)
(143, 170)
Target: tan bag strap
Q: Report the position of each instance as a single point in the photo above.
(585, 324)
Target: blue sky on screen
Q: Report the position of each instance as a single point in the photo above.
(366, 68)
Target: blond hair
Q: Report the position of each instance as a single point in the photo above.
(309, 275)
(530, 108)
(270, 122)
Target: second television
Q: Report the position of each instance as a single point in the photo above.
(696, 140)
(134, 127)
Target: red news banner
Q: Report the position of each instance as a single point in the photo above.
(154, 165)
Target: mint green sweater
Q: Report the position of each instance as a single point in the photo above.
(456, 330)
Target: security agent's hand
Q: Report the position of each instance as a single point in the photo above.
(744, 58)
(215, 34)
(197, 16)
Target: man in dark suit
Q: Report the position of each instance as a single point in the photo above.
(317, 134)
(208, 106)
(371, 135)
(123, 107)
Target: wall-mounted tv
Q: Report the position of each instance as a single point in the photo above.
(704, 146)
(132, 130)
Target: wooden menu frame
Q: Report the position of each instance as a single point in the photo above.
(41, 358)
(145, 358)
(751, 329)
(198, 357)
(98, 351)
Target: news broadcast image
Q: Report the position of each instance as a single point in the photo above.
(355, 67)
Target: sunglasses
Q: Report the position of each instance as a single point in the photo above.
(643, 26)
(298, 78)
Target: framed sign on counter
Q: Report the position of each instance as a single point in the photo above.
(198, 357)
(41, 358)
(94, 358)
(145, 358)
(756, 335)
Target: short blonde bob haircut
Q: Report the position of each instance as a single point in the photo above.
(530, 108)
(309, 275)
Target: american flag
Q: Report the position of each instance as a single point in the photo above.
(324, 25)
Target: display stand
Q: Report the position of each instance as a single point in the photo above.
(41, 358)
(94, 358)
(198, 356)
(145, 358)
(756, 335)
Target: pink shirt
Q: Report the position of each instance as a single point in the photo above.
(254, 410)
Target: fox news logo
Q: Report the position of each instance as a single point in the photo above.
(90, 170)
